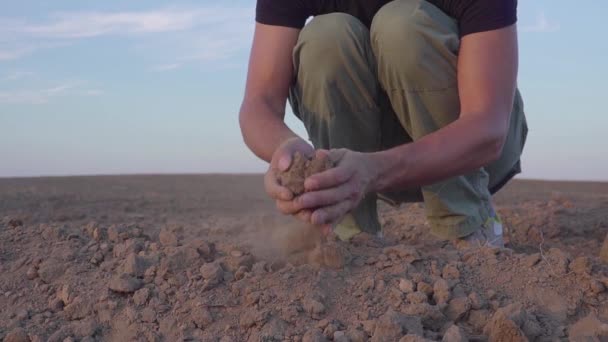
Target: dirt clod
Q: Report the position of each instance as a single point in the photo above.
(17, 335)
(393, 325)
(300, 169)
(454, 334)
(125, 283)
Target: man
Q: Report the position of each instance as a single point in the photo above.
(414, 100)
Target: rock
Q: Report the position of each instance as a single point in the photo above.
(340, 336)
(392, 326)
(478, 318)
(596, 287)
(450, 272)
(66, 294)
(589, 328)
(137, 266)
(125, 283)
(314, 335)
(405, 253)
(140, 297)
(22, 314)
(581, 266)
(441, 291)
(558, 261)
(85, 328)
(407, 286)
(234, 263)
(604, 250)
(425, 288)
(32, 273)
(329, 330)
(355, 335)
(531, 260)
(56, 305)
(431, 315)
(17, 335)
(148, 315)
(116, 233)
(413, 338)
(168, 237)
(212, 273)
(454, 334)
(477, 302)
(417, 297)
(51, 270)
(505, 325)
(201, 317)
(122, 249)
(77, 309)
(458, 308)
(314, 308)
(14, 223)
(252, 317)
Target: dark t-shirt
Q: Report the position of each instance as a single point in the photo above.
(472, 15)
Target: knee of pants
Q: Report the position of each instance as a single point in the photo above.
(321, 53)
(415, 45)
(335, 67)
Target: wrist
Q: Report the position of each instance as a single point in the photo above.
(390, 166)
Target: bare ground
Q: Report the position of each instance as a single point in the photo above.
(206, 258)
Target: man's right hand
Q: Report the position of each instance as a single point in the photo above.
(281, 160)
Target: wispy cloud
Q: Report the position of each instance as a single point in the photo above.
(213, 29)
(46, 94)
(542, 24)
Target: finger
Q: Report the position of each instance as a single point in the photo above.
(323, 198)
(328, 179)
(322, 153)
(274, 189)
(331, 214)
(284, 161)
(326, 229)
(304, 215)
(288, 207)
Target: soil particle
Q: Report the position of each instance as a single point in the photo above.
(393, 325)
(125, 283)
(51, 270)
(17, 335)
(140, 297)
(441, 291)
(78, 308)
(406, 286)
(314, 335)
(604, 250)
(589, 328)
(458, 308)
(454, 334)
(314, 308)
(581, 266)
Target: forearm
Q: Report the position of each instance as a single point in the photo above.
(459, 148)
(263, 128)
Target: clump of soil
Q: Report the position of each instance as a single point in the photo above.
(300, 169)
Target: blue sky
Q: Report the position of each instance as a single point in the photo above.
(155, 87)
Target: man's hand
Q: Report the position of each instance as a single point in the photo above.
(333, 193)
(281, 160)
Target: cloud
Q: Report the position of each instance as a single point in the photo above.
(542, 24)
(221, 26)
(44, 95)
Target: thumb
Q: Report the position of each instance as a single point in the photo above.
(284, 162)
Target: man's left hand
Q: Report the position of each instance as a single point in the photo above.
(333, 193)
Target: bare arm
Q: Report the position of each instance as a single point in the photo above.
(487, 73)
(269, 77)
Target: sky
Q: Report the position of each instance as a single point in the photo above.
(121, 87)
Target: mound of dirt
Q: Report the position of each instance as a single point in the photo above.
(172, 259)
(300, 169)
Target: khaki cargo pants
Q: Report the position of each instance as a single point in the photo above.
(369, 90)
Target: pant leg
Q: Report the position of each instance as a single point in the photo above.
(336, 92)
(416, 46)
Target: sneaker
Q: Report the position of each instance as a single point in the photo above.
(490, 235)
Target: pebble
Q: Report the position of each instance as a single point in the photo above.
(125, 283)
(407, 286)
